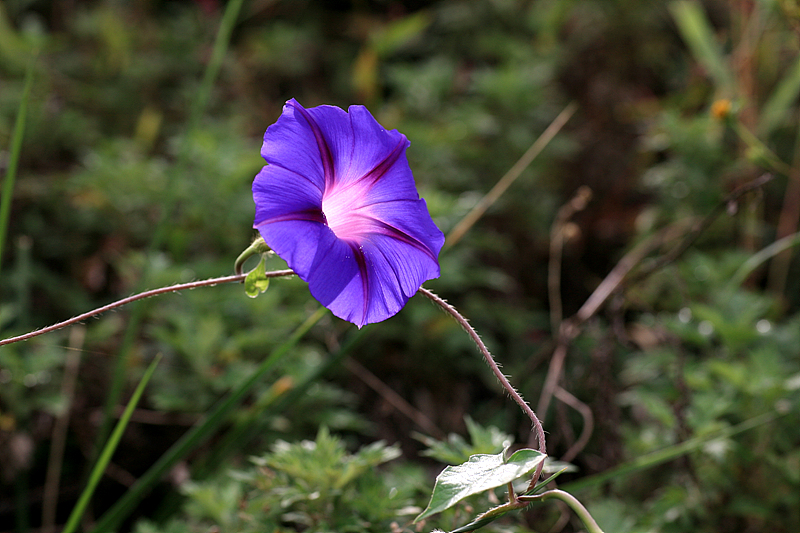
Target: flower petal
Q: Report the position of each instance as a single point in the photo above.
(294, 143)
(409, 222)
(410, 266)
(358, 145)
(288, 216)
(295, 241)
(355, 283)
(338, 202)
(369, 282)
(278, 192)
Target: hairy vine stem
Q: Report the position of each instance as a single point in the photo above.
(140, 296)
(464, 323)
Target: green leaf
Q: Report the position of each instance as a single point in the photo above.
(257, 281)
(482, 472)
(456, 450)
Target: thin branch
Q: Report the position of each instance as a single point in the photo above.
(495, 370)
(726, 204)
(146, 294)
(513, 173)
(588, 422)
(563, 518)
(58, 443)
(612, 282)
(787, 225)
(392, 398)
(553, 374)
(620, 276)
(576, 204)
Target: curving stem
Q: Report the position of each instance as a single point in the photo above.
(537, 425)
(146, 294)
(573, 503)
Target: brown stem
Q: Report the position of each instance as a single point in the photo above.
(620, 276)
(588, 423)
(787, 224)
(701, 226)
(576, 204)
(393, 398)
(146, 294)
(513, 173)
(449, 309)
(60, 428)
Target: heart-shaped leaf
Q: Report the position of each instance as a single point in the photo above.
(482, 472)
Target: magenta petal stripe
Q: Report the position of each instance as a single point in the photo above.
(324, 149)
(381, 168)
(310, 215)
(383, 228)
(337, 200)
(361, 261)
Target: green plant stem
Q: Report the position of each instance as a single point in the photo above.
(199, 433)
(23, 276)
(13, 158)
(754, 143)
(108, 451)
(257, 247)
(140, 296)
(763, 255)
(698, 34)
(573, 503)
(229, 17)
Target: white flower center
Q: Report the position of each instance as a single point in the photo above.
(345, 212)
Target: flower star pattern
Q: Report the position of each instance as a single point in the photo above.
(337, 201)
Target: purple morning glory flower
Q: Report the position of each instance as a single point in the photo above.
(337, 201)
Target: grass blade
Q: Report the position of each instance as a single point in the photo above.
(699, 37)
(108, 450)
(511, 176)
(13, 159)
(776, 109)
(673, 452)
(762, 256)
(199, 433)
(198, 107)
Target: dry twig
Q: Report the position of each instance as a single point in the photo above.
(620, 276)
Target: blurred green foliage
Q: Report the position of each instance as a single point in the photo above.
(679, 103)
(310, 485)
